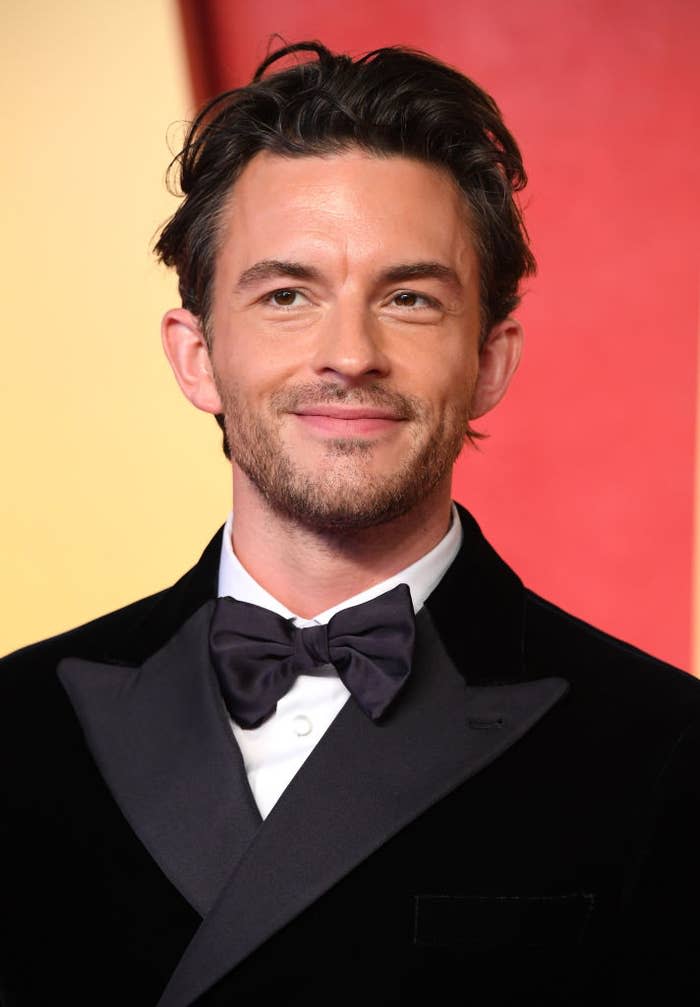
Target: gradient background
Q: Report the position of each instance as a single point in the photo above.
(112, 483)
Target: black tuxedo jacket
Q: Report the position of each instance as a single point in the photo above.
(521, 827)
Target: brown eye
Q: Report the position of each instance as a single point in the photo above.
(406, 299)
(284, 298)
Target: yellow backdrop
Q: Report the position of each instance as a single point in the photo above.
(111, 482)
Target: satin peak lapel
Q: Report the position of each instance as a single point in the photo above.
(162, 742)
(362, 783)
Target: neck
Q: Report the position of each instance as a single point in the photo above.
(310, 570)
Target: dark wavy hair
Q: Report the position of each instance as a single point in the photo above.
(391, 101)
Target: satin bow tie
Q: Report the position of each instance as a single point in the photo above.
(257, 654)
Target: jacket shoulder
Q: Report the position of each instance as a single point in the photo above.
(35, 713)
(128, 635)
(28, 676)
(95, 639)
(597, 663)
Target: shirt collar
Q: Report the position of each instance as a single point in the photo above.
(422, 577)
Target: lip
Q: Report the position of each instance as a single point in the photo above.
(348, 421)
(341, 412)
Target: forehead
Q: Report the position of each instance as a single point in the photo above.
(353, 205)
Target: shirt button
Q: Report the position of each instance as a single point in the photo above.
(301, 726)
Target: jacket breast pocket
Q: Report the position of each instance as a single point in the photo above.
(481, 923)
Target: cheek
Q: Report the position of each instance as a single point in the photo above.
(441, 363)
(254, 363)
(448, 386)
(240, 371)
(463, 373)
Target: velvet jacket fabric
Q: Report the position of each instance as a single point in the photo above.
(520, 827)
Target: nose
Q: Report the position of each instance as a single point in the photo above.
(349, 346)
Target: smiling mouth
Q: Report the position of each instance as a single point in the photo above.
(348, 421)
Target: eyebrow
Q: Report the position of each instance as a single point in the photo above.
(268, 269)
(421, 271)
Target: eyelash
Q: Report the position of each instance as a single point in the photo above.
(267, 299)
(430, 302)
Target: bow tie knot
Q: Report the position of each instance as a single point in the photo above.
(310, 649)
(257, 654)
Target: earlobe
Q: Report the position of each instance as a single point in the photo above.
(498, 360)
(188, 354)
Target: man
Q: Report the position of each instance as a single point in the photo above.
(377, 769)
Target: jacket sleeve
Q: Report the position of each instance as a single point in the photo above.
(660, 924)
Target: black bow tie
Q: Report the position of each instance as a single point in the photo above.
(257, 654)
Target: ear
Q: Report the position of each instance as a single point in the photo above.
(188, 354)
(499, 357)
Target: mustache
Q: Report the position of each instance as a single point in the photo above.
(317, 393)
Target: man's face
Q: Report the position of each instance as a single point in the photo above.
(345, 334)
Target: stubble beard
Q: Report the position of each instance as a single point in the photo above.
(343, 494)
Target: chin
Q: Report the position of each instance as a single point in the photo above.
(348, 505)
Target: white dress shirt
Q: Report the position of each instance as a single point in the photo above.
(275, 751)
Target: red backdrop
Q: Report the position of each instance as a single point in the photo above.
(586, 481)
